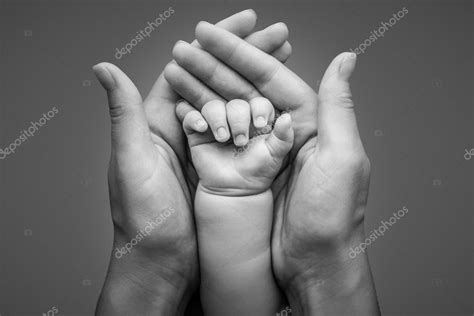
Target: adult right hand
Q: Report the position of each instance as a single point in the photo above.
(321, 197)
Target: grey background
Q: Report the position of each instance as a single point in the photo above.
(413, 93)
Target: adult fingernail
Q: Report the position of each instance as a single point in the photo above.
(347, 66)
(349, 56)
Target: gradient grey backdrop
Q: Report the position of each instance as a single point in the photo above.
(413, 91)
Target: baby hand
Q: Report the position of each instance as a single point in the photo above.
(220, 169)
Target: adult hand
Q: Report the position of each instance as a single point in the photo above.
(320, 199)
(154, 267)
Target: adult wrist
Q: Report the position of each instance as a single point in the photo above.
(342, 286)
(137, 284)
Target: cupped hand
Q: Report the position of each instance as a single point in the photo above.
(148, 187)
(321, 197)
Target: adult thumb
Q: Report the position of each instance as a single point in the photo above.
(129, 125)
(336, 118)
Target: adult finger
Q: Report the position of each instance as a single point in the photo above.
(216, 75)
(188, 86)
(212, 73)
(272, 40)
(283, 52)
(241, 24)
(271, 77)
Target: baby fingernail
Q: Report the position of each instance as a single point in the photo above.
(200, 124)
(260, 121)
(240, 140)
(221, 133)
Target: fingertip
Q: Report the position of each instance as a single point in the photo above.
(182, 104)
(178, 49)
(201, 125)
(180, 109)
(222, 134)
(283, 128)
(237, 103)
(98, 66)
(287, 48)
(260, 122)
(262, 111)
(193, 121)
(281, 140)
(104, 75)
(252, 13)
(284, 120)
(248, 16)
(347, 64)
(283, 52)
(241, 140)
(171, 71)
(282, 28)
(201, 28)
